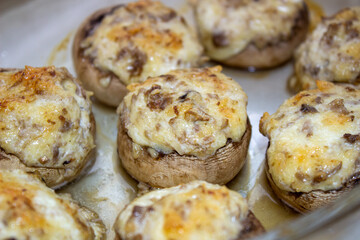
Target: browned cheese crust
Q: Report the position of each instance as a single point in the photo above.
(172, 169)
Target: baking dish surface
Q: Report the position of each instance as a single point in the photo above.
(40, 32)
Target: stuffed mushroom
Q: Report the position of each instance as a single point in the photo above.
(314, 142)
(330, 53)
(46, 123)
(124, 44)
(184, 125)
(249, 33)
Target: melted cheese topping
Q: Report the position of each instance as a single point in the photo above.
(227, 26)
(193, 112)
(314, 139)
(30, 210)
(197, 210)
(44, 118)
(142, 39)
(331, 52)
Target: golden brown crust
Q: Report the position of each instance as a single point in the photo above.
(172, 169)
(88, 74)
(53, 177)
(304, 202)
(276, 53)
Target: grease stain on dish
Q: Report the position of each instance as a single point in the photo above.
(60, 53)
(266, 206)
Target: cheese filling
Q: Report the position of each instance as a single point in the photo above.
(227, 27)
(331, 52)
(30, 210)
(142, 39)
(198, 210)
(44, 118)
(314, 139)
(192, 112)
